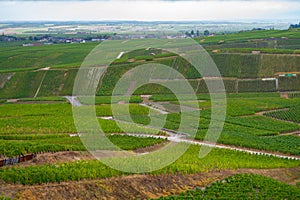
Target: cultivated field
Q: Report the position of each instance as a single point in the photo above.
(257, 155)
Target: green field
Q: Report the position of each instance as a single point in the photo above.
(189, 163)
(262, 115)
(242, 186)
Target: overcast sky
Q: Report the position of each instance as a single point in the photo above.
(149, 10)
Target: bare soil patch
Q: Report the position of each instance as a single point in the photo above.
(72, 156)
(51, 158)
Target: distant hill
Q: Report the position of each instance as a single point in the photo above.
(247, 60)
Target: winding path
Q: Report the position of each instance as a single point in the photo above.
(180, 138)
(175, 136)
(73, 100)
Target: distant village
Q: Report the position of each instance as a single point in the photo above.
(83, 37)
(40, 40)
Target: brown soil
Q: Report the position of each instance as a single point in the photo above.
(51, 158)
(71, 156)
(135, 186)
(37, 102)
(151, 148)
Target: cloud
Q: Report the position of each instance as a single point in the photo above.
(147, 10)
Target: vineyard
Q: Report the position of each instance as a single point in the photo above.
(242, 72)
(291, 114)
(242, 186)
(57, 56)
(260, 71)
(189, 163)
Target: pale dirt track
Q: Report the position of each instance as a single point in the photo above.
(174, 136)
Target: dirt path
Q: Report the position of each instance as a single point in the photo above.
(136, 186)
(72, 156)
(155, 107)
(51, 158)
(269, 111)
(174, 136)
(73, 100)
(178, 137)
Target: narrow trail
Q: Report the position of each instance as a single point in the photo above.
(154, 106)
(261, 113)
(38, 90)
(181, 138)
(177, 137)
(73, 100)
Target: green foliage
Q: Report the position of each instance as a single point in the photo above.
(242, 186)
(11, 148)
(57, 82)
(110, 126)
(58, 118)
(250, 106)
(111, 77)
(264, 123)
(41, 99)
(239, 136)
(292, 114)
(110, 100)
(30, 110)
(256, 86)
(189, 163)
(2, 197)
(272, 64)
(262, 50)
(245, 36)
(294, 95)
(289, 83)
(237, 65)
(121, 109)
(22, 84)
(66, 55)
(15, 145)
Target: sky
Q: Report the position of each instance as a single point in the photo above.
(149, 10)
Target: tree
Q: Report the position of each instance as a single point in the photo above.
(294, 26)
(198, 33)
(187, 34)
(206, 32)
(192, 33)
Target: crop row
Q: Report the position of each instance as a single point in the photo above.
(292, 114)
(18, 57)
(188, 163)
(23, 144)
(242, 186)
